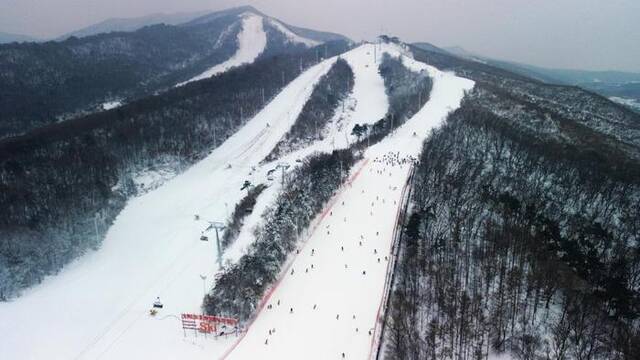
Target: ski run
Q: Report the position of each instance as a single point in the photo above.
(252, 41)
(328, 300)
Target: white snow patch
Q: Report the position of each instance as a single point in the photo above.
(626, 101)
(111, 105)
(150, 179)
(252, 41)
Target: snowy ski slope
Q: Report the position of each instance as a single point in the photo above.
(366, 104)
(329, 299)
(97, 308)
(252, 41)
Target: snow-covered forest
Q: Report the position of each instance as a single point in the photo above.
(524, 231)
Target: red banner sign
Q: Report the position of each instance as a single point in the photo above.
(210, 318)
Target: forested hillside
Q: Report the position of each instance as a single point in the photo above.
(524, 235)
(44, 83)
(590, 111)
(65, 79)
(62, 185)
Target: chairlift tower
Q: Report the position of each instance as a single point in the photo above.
(218, 226)
(283, 166)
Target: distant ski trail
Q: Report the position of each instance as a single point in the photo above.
(252, 41)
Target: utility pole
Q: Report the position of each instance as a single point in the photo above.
(95, 226)
(262, 90)
(218, 226)
(346, 139)
(375, 57)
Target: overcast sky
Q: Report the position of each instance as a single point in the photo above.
(586, 34)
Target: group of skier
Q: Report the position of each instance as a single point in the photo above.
(389, 161)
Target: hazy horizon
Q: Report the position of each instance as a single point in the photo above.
(571, 34)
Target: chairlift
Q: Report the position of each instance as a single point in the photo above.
(157, 304)
(204, 238)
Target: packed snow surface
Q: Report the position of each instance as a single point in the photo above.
(329, 299)
(98, 307)
(252, 41)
